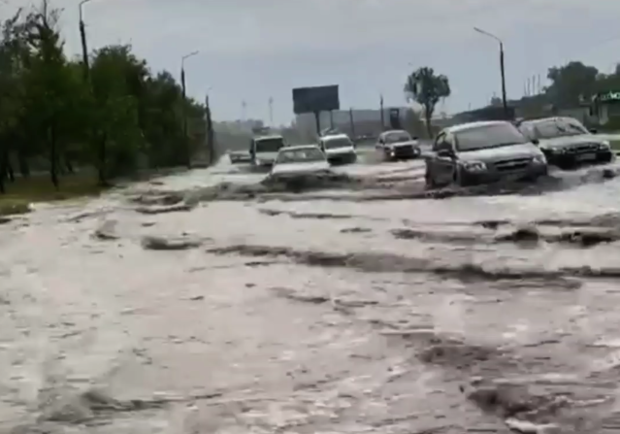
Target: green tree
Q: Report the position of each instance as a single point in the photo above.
(52, 119)
(427, 89)
(118, 138)
(571, 84)
(49, 85)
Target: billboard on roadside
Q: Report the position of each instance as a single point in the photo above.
(315, 99)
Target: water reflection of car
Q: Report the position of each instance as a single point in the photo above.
(398, 144)
(264, 149)
(483, 152)
(338, 148)
(566, 142)
(299, 161)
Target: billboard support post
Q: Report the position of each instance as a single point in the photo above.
(317, 118)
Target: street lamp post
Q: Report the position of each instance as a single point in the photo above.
(501, 66)
(85, 65)
(184, 90)
(86, 71)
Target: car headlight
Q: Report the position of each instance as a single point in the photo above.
(474, 166)
(559, 150)
(539, 159)
(604, 146)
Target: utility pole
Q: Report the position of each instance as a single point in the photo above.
(501, 67)
(331, 119)
(85, 61)
(271, 111)
(382, 113)
(210, 133)
(188, 156)
(103, 180)
(244, 106)
(352, 123)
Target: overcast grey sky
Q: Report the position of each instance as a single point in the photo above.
(254, 49)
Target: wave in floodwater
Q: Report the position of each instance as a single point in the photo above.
(377, 187)
(303, 339)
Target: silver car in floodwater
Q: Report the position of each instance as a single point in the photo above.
(299, 161)
(483, 152)
(398, 144)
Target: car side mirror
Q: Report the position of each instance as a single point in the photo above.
(593, 130)
(415, 138)
(536, 141)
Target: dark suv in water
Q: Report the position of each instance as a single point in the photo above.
(483, 152)
(566, 142)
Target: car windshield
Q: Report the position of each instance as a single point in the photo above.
(397, 136)
(340, 142)
(558, 128)
(269, 145)
(306, 155)
(489, 136)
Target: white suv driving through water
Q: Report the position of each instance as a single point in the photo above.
(264, 150)
(338, 148)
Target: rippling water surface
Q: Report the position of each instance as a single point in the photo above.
(358, 304)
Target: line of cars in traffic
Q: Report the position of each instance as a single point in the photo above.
(491, 151)
(465, 154)
(333, 148)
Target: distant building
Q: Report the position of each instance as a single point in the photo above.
(246, 126)
(605, 107)
(365, 121)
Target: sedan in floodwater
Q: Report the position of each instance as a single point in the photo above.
(338, 148)
(566, 142)
(299, 161)
(483, 152)
(398, 145)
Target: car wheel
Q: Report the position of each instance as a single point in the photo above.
(429, 181)
(457, 178)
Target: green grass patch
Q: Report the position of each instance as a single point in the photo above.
(39, 188)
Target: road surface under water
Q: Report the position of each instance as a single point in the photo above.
(360, 305)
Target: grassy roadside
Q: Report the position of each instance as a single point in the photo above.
(38, 188)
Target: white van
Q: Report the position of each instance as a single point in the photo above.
(264, 149)
(339, 148)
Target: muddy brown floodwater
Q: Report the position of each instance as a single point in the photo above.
(210, 302)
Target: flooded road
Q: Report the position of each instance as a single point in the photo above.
(363, 304)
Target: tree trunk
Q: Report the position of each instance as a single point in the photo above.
(53, 155)
(103, 181)
(68, 164)
(3, 171)
(428, 114)
(22, 162)
(9, 168)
